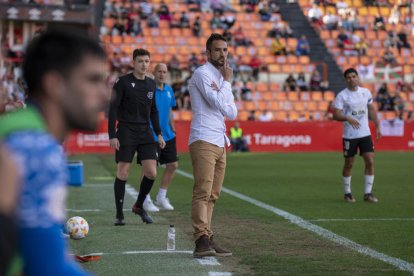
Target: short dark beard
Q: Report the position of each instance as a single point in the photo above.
(215, 63)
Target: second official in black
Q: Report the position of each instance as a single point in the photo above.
(133, 105)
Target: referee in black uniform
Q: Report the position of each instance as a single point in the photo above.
(133, 105)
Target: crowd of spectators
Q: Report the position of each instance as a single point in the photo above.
(12, 90)
(299, 83)
(392, 100)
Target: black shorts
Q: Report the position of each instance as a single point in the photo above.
(351, 146)
(145, 152)
(169, 153)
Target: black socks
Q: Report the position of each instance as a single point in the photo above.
(146, 185)
(119, 190)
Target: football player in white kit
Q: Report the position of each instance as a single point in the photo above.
(354, 106)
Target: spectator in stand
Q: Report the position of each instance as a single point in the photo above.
(397, 104)
(240, 39)
(146, 9)
(135, 27)
(115, 62)
(233, 65)
(227, 21)
(126, 60)
(315, 81)
(303, 47)
(251, 5)
(215, 22)
(153, 20)
(361, 47)
(315, 14)
(341, 39)
(264, 10)
(274, 7)
(402, 40)
(330, 21)
(118, 27)
(174, 68)
(186, 94)
(301, 82)
(382, 3)
(266, 116)
(252, 115)
(394, 17)
(391, 40)
(193, 62)
(356, 24)
(290, 84)
(341, 7)
(278, 48)
(184, 20)
(228, 36)
(383, 98)
(175, 21)
(236, 88)
(255, 64)
(324, 86)
(246, 92)
(389, 57)
(379, 23)
(164, 11)
(197, 27)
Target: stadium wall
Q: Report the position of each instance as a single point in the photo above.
(266, 137)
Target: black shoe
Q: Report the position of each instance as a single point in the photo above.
(349, 198)
(142, 213)
(119, 222)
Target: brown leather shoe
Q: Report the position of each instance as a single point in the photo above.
(203, 248)
(220, 251)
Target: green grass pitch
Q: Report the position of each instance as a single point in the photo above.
(308, 185)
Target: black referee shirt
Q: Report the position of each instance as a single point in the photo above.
(133, 102)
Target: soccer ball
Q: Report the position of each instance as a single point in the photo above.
(77, 228)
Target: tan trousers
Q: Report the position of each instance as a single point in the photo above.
(209, 166)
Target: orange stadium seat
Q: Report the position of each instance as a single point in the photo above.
(317, 96)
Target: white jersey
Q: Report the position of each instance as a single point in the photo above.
(355, 104)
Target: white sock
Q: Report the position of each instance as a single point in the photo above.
(162, 193)
(369, 181)
(347, 184)
(148, 197)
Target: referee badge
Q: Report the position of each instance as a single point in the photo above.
(150, 95)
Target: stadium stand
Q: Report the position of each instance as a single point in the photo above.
(376, 39)
(256, 66)
(272, 72)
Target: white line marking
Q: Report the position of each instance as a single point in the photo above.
(90, 210)
(208, 261)
(400, 264)
(82, 210)
(142, 252)
(131, 191)
(362, 219)
(158, 252)
(103, 178)
(215, 273)
(97, 186)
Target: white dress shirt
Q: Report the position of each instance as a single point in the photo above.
(210, 107)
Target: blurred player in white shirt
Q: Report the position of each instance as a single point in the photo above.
(354, 106)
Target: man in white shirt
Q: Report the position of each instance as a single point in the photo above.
(266, 116)
(315, 13)
(354, 106)
(212, 101)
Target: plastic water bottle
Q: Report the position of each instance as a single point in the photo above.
(171, 238)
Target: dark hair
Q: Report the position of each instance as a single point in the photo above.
(349, 71)
(140, 52)
(214, 37)
(56, 50)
